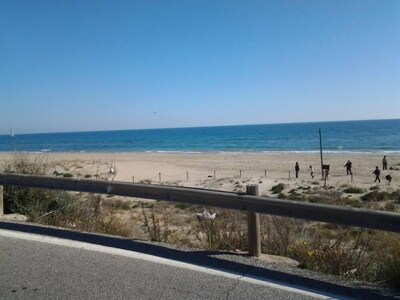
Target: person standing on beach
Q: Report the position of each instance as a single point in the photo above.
(377, 172)
(297, 169)
(311, 169)
(384, 163)
(348, 167)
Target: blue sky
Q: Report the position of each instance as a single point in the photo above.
(103, 65)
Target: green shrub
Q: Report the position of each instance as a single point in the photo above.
(376, 196)
(388, 269)
(68, 175)
(316, 199)
(295, 196)
(395, 196)
(282, 196)
(276, 189)
(353, 190)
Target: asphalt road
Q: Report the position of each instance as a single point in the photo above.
(39, 269)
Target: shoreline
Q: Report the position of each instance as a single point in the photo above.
(220, 171)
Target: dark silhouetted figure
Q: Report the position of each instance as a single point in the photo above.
(384, 163)
(388, 178)
(311, 169)
(297, 169)
(348, 167)
(377, 173)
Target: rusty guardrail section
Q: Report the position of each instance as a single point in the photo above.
(380, 220)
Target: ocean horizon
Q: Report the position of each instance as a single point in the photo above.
(370, 136)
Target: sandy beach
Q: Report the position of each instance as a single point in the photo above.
(232, 171)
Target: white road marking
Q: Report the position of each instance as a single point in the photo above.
(160, 260)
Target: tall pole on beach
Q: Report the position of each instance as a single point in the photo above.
(320, 151)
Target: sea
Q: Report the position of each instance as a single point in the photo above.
(373, 136)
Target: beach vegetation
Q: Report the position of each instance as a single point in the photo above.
(389, 206)
(395, 196)
(305, 188)
(295, 196)
(276, 189)
(316, 199)
(21, 163)
(68, 175)
(353, 190)
(282, 196)
(333, 250)
(156, 225)
(228, 231)
(22, 200)
(116, 204)
(376, 196)
(388, 267)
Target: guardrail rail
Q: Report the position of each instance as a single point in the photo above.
(249, 202)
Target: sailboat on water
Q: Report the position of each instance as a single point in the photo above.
(12, 133)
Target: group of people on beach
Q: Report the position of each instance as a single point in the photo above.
(348, 166)
(377, 172)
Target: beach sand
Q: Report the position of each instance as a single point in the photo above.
(232, 171)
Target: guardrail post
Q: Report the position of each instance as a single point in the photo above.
(253, 224)
(1, 201)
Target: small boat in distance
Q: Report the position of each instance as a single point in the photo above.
(12, 134)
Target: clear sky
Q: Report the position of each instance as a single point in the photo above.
(99, 65)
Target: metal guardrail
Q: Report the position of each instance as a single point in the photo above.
(380, 220)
